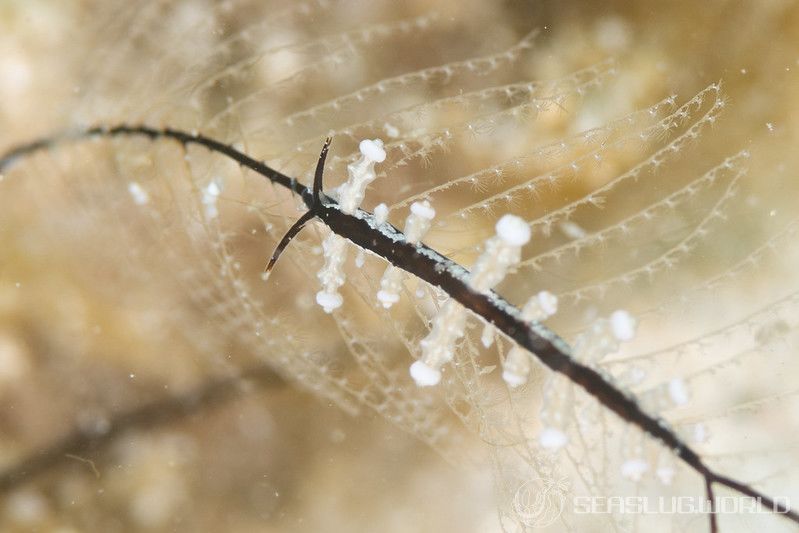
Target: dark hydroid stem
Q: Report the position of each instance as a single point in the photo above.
(182, 137)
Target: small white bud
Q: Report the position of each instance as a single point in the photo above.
(391, 131)
(548, 303)
(211, 193)
(423, 210)
(665, 474)
(387, 298)
(516, 367)
(139, 195)
(487, 338)
(360, 259)
(623, 325)
(678, 392)
(424, 375)
(418, 222)
(540, 307)
(381, 213)
(553, 439)
(390, 287)
(700, 433)
(513, 230)
(213, 189)
(329, 301)
(373, 150)
(634, 469)
(513, 380)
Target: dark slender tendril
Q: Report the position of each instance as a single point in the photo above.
(388, 242)
(290, 234)
(318, 179)
(714, 525)
(312, 213)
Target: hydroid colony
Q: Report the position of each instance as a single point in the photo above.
(645, 185)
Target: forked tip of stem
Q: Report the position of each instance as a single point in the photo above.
(320, 170)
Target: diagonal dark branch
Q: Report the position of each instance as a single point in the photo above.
(159, 412)
(388, 242)
(309, 215)
(714, 525)
(320, 172)
(290, 234)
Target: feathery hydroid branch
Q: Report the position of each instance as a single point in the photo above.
(471, 292)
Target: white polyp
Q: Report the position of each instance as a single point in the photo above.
(487, 337)
(416, 226)
(361, 174)
(423, 210)
(678, 392)
(604, 336)
(501, 253)
(390, 287)
(387, 298)
(438, 347)
(329, 301)
(139, 195)
(381, 213)
(418, 222)
(634, 469)
(623, 325)
(210, 194)
(516, 367)
(332, 274)
(360, 259)
(540, 307)
(513, 230)
(553, 439)
(572, 230)
(700, 433)
(391, 130)
(635, 376)
(513, 380)
(665, 474)
(424, 375)
(373, 150)
(548, 303)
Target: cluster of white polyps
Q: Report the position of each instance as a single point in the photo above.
(673, 393)
(502, 252)
(416, 226)
(211, 193)
(517, 364)
(360, 174)
(350, 196)
(601, 339)
(604, 336)
(332, 273)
